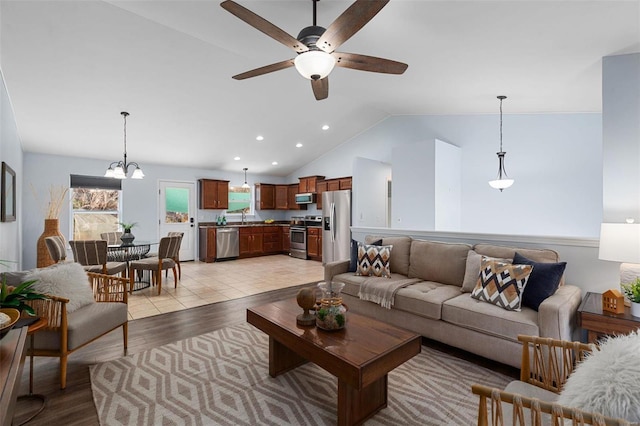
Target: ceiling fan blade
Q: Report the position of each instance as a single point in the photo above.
(263, 25)
(368, 63)
(265, 70)
(349, 23)
(320, 88)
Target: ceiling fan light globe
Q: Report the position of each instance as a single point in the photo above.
(315, 64)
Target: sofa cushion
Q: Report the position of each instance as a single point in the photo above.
(401, 249)
(538, 255)
(501, 283)
(472, 270)
(374, 260)
(486, 318)
(439, 262)
(543, 282)
(425, 298)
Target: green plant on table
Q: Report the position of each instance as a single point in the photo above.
(16, 297)
(127, 226)
(632, 290)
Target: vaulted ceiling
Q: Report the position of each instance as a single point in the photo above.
(72, 66)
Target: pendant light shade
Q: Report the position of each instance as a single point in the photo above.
(119, 169)
(503, 181)
(245, 185)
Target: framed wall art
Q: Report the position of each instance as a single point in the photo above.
(8, 194)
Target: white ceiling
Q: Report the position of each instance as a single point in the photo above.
(71, 66)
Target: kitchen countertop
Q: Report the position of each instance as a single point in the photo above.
(239, 225)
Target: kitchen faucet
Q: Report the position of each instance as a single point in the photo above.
(244, 217)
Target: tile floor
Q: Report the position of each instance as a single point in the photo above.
(204, 283)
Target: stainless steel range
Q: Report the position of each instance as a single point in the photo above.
(298, 234)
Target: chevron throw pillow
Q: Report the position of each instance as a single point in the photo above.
(501, 283)
(374, 260)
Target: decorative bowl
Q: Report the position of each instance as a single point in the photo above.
(14, 314)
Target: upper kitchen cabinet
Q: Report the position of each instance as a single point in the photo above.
(308, 184)
(320, 188)
(291, 198)
(214, 194)
(265, 196)
(345, 182)
(282, 197)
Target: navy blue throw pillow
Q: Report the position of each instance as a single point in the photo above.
(353, 265)
(543, 281)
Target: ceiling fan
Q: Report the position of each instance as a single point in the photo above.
(316, 46)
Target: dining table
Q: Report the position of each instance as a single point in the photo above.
(128, 252)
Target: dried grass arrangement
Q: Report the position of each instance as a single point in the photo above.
(53, 207)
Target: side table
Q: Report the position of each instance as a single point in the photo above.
(31, 330)
(598, 322)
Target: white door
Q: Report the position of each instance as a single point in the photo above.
(177, 214)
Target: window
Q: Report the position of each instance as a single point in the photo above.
(176, 205)
(240, 199)
(95, 206)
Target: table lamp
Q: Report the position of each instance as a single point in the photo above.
(620, 242)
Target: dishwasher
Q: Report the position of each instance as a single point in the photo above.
(227, 243)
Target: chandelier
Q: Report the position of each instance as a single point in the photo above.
(119, 169)
(503, 180)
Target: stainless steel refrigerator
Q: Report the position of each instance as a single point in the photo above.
(336, 225)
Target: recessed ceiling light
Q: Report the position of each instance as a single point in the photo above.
(259, 138)
(325, 127)
(298, 145)
(275, 163)
(236, 158)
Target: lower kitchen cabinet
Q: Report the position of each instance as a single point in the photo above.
(251, 241)
(207, 244)
(286, 239)
(272, 243)
(314, 243)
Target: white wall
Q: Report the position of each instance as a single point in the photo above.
(369, 192)
(448, 189)
(11, 153)
(621, 137)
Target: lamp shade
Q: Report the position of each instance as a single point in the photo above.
(620, 242)
(314, 64)
(501, 183)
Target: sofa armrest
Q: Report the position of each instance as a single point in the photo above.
(557, 315)
(332, 269)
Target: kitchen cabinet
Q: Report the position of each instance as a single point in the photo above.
(265, 196)
(251, 241)
(282, 197)
(308, 184)
(291, 198)
(314, 243)
(345, 183)
(320, 188)
(271, 242)
(214, 194)
(286, 240)
(333, 185)
(207, 244)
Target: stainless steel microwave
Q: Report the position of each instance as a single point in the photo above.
(307, 198)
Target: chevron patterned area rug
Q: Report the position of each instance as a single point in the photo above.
(221, 378)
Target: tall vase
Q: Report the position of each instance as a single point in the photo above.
(51, 228)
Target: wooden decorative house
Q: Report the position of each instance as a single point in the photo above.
(613, 301)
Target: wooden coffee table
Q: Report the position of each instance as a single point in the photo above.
(360, 355)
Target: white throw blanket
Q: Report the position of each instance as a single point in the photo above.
(382, 290)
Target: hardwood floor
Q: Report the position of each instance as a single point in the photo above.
(74, 405)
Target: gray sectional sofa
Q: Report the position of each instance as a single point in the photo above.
(436, 306)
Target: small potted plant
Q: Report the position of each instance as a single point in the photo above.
(127, 238)
(632, 291)
(17, 296)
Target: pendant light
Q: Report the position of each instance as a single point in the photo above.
(119, 169)
(503, 180)
(245, 185)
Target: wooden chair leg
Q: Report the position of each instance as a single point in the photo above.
(63, 371)
(179, 270)
(159, 279)
(131, 280)
(175, 278)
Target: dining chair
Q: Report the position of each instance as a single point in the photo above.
(57, 247)
(112, 238)
(92, 255)
(177, 258)
(167, 251)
